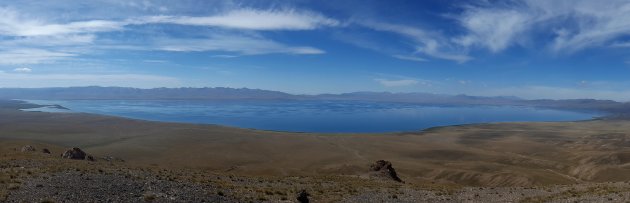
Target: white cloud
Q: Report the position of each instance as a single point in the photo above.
(410, 58)
(246, 45)
(224, 56)
(493, 28)
(621, 44)
(27, 35)
(561, 26)
(235, 43)
(50, 41)
(574, 24)
(31, 56)
(154, 61)
(431, 44)
(12, 24)
(252, 19)
(396, 83)
(23, 70)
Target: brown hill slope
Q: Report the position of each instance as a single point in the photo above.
(502, 154)
(34, 176)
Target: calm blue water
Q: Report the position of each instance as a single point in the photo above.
(315, 116)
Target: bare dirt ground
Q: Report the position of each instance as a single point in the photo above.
(502, 161)
(38, 177)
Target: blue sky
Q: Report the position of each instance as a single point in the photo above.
(531, 49)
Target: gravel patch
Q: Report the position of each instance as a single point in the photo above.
(75, 186)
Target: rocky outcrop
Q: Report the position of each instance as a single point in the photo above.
(28, 148)
(384, 169)
(74, 153)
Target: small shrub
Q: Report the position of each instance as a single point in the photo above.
(149, 197)
(48, 201)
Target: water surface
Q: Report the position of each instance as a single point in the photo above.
(313, 116)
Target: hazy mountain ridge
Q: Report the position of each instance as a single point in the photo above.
(619, 109)
(95, 92)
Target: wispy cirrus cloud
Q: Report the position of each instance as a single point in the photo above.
(623, 44)
(573, 24)
(410, 58)
(561, 27)
(32, 40)
(424, 42)
(252, 19)
(31, 56)
(242, 44)
(12, 23)
(23, 70)
(224, 56)
(396, 83)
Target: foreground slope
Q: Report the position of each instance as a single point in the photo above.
(34, 176)
(502, 154)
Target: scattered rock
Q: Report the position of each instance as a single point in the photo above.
(90, 158)
(385, 168)
(28, 148)
(74, 153)
(78, 186)
(46, 151)
(302, 196)
(111, 158)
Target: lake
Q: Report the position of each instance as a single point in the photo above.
(313, 116)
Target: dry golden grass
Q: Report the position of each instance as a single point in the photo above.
(245, 188)
(502, 154)
(18, 167)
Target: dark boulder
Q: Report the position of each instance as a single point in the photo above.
(384, 168)
(45, 151)
(302, 196)
(74, 153)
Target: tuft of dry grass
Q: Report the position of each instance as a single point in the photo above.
(149, 197)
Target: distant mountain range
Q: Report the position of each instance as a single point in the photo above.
(618, 109)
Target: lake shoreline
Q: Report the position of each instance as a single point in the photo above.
(52, 107)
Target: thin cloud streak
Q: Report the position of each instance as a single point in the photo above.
(245, 45)
(427, 43)
(410, 58)
(396, 83)
(252, 19)
(68, 80)
(31, 56)
(23, 70)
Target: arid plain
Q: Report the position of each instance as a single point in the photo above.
(506, 155)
